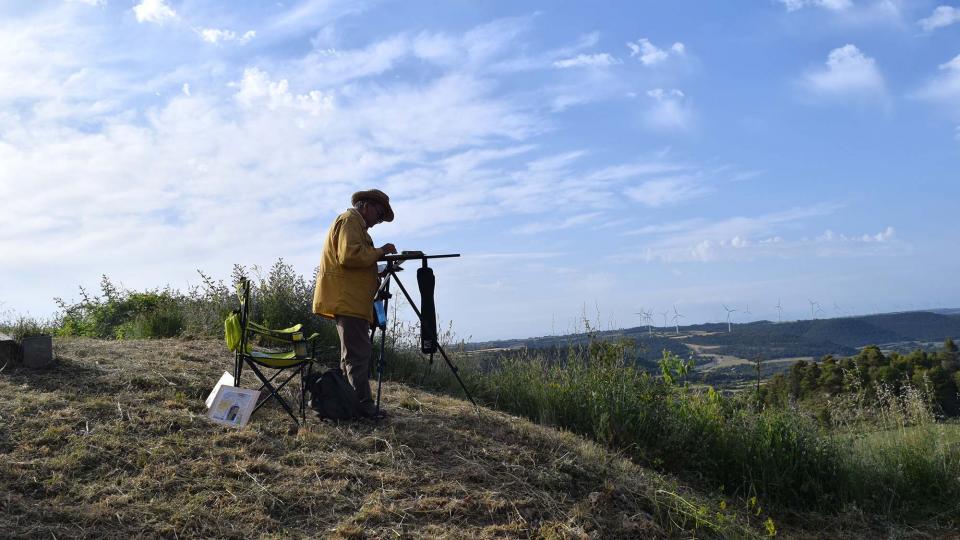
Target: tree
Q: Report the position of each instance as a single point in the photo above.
(948, 358)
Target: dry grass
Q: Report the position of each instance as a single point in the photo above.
(113, 443)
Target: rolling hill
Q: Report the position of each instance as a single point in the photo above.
(767, 340)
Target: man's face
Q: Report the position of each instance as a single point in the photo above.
(372, 213)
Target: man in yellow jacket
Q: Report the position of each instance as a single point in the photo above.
(347, 282)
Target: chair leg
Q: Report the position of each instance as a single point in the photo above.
(274, 392)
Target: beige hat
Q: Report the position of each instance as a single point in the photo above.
(376, 196)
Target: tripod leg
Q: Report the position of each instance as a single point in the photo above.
(383, 340)
(456, 374)
(442, 352)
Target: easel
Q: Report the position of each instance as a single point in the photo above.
(428, 328)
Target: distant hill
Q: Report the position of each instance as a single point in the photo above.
(768, 340)
(648, 346)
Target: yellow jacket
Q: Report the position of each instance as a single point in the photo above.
(347, 280)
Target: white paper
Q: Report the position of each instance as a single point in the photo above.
(232, 406)
(225, 379)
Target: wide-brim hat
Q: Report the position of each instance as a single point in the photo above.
(376, 196)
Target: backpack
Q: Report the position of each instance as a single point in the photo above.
(332, 396)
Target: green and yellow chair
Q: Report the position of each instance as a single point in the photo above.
(281, 354)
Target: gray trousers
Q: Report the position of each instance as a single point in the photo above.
(355, 352)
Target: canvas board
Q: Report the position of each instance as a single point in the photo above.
(232, 406)
(225, 379)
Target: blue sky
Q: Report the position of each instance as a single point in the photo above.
(585, 158)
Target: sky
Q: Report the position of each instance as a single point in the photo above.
(586, 159)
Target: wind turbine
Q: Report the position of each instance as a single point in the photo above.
(647, 315)
(746, 310)
(814, 308)
(664, 313)
(676, 315)
(729, 311)
(644, 316)
(779, 310)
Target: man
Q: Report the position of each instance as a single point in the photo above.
(347, 282)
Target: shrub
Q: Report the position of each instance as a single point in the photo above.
(120, 314)
(24, 326)
(280, 299)
(778, 455)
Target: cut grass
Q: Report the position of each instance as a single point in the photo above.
(112, 443)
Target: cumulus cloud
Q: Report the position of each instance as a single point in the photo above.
(943, 90)
(847, 13)
(668, 110)
(885, 235)
(945, 87)
(847, 73)
(941, 16)
(649, 54)
(587, 60)
(256, 89)
(216, 35)
(154, 11)
(832, 5)
(763, 236)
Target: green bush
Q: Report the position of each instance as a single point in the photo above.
(23, 326)
(280, 299)
(778, 455)
(121, 314)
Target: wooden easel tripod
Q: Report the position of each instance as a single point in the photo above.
(428, 322)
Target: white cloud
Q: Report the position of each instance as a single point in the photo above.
(832, 5)
(848, 73)
(943, 90)
(154, 11)
(185, 89)
(666, 191)
(216, 35)
(579, 220)
(90, 2)
(748, 238)
(257, 90)
(846, 13)
(941, 16)
(945, 87)
(587, 60)
(649, 54)
(668, 111)
(661, 94)
(334, 66)
(313, 14)
(885, 235)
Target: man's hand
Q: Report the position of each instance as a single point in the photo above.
(388, 249)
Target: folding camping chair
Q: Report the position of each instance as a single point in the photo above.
(286, 356)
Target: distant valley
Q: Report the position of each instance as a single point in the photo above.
(723, 356)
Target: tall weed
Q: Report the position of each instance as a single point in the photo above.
(780, 456)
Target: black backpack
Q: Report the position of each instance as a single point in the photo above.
(332, 396)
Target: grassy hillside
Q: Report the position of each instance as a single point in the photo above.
(112, 443)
